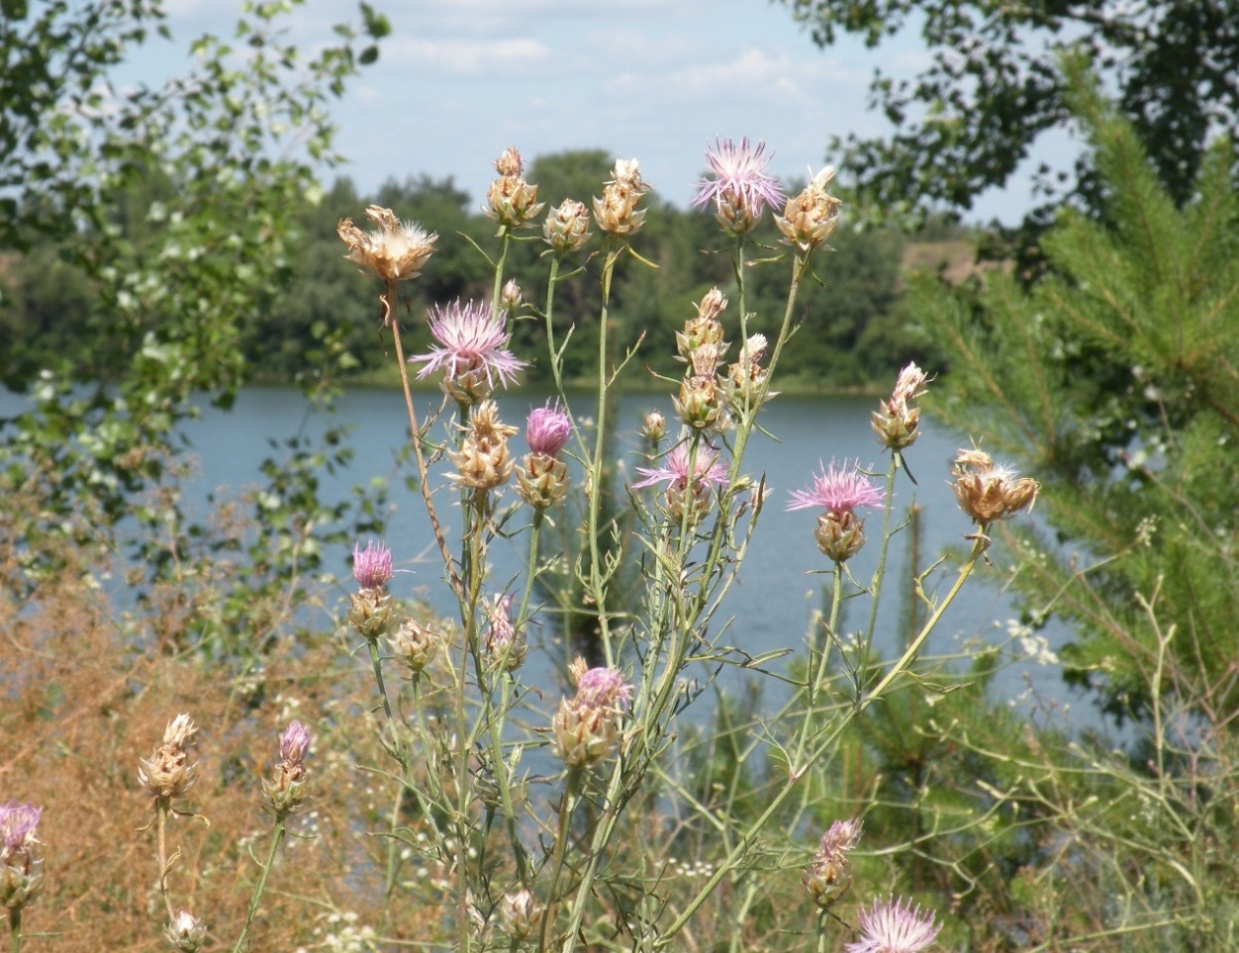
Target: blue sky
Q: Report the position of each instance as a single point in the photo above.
(658, 80)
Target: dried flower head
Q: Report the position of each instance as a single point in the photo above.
(830, 875)
(185, 932)
(746, 378)
(893, 926)
(740, 188)
(169, 773)
(585, 729)
(566, 228)
(810, 218)
(396, 251)
(987, 492)
(510, 200)
(616, 211)
(471, 351)
(840, 533)
(286, 790)
(21, 867)
(895, 421)
(483, 461)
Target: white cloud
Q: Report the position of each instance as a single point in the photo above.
(468, 57)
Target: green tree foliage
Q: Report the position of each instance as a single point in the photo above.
(964, 124)
(1139, 470)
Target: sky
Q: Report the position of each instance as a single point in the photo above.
(657, 80)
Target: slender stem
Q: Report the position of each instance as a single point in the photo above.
(567, 804)
(377, 664)
(880, 573)
(15, 929)
(161, 809)
(277, 835)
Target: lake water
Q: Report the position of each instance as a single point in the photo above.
(778, 590)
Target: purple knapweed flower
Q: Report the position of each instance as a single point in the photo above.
(674, 471)
(838, 490)
(372, 566)
(604, 688)
(740, 188)
(829, 877)
(294, 743)
(472, 347)
(19, 824)
(547, 429)
(892, 926)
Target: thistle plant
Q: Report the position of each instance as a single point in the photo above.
(540, 813)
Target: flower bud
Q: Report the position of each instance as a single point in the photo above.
(21, 867)
(185, 933)
(700, 405)
(541, 480)
(519, 914)
(510, 200)
(654, 427)
(286, 789)
(567, 227)
(483, 461)
(840, 534)
(585, 729)
(894, 421)
(510, 299)
(829, 877)
(415, 645)
(616, 212)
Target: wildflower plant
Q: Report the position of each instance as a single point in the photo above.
(532, 810)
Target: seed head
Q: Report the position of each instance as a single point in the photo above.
(809, 219)
(169, 773)
(987, 492)
(395, 251)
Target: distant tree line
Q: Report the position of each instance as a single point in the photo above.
(852, 331)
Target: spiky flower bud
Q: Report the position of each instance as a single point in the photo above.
(21, 867)
(185, 932)
(704, 328)
(504, 645)
(895, 422)
(510, 299)
(286, 789)
(987, 492)
(169, 773)
(519, 914)
(746, 378)
(415, 645)
(585, 729)
(483, 461)
(542, 480)
(700, 404)
(654, 427)
(829, 877)
(510, 200)
(809, 219)
(616, 212)
(397, 251)
(566, 228)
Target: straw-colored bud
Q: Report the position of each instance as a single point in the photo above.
(519, 914)
(483, 461)
(987, 492)
(616, 212)
(654, 427)
(696, 498)
(541, 480)
(566, 228)
(840, 534)
(810, 218)
(370, 612)
(396, 251)
(510, 200)
(510, 164)
(700, 405)
(185, 932)
(169, 773)
(510, 299)
(415, 645)
(894, 421)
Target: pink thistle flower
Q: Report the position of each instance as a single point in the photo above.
(838, 490)
(892, 926)
(547, 429)
(604, 688)
(294, 743)
(740, 189)
(19, 824)
(472, 342)
(372, 565)
(674, 471)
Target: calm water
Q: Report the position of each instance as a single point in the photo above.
(780, 584)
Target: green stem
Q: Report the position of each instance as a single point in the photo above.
(880, 573)
(567, 804)
(277, 835)
(15, 929)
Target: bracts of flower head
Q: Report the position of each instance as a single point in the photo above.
(169, 773)
(519, 914)
(21, 867)
(829, 877)
(987, 492)
(541, 477)
(895, 421)
(840, 533)
(185, 933)
(740, 188)
(810, 218)
(653, 429)
(566, 228)
(746, 378)
(701, 404)
(894, 926)
(370, 607)
(286, 790)
(471, 350)
(415, 645)
(692, 494)
(510, 200)
(395, 251)
(616, 211)
(483, 461)
(586, 728)
(504, 646)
